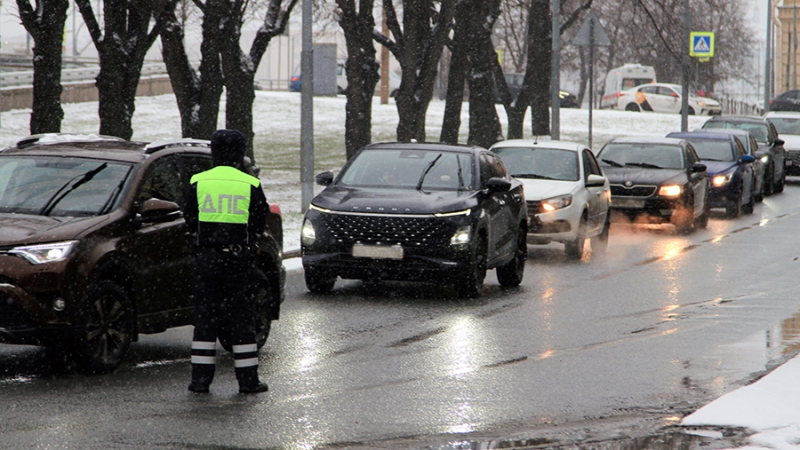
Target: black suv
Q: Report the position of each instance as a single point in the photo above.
(94, 249)
(417, 212)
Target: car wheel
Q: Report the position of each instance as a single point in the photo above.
(632, 107)
(107, 328)
(574, 249)
(511, 274)
(769, 183)
(735, 210)
(702, 220)
(318, 282)
(263, 309)
(600, 242)
(780, 185)
(690, 111)
(470, 284)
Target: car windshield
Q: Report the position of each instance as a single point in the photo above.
(759, 131)
(647, 155)
(409, 169)
(786, 125)
(713, 150)
(59, 186)
(540, 163)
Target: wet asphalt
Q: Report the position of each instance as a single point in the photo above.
(607, 352)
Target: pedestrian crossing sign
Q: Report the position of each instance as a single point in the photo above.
(702, 44)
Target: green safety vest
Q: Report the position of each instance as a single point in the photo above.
(223, 195)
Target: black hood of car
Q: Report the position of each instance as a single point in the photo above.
(394, 201)
(23, 229)
(641, 175)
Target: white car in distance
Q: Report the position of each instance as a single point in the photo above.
(664, 98)
(567, 194)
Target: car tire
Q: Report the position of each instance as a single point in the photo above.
(108, 325)
(470, 284)
(690, 111)
(574, 249)
(769, 183)
(780, 185)
(600, 242)
(632, 107)
(319, 282)
(511, 273)
(735, 210)
(263, 309)
(702, 220)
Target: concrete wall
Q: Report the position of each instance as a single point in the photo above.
(76, 92)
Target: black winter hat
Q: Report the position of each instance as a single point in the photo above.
(228, 148)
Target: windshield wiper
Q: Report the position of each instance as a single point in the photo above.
(425, 172)
(612, 162)
(460, 175)
(61, 193)
(644, 164)
(532, 175)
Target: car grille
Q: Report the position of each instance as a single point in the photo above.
(619, 190)
(11, 314)
(793, 156)
(388, 230)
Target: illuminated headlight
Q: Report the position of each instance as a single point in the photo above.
(307, 233)
(721, 180)
(461, 236)
(552, 204)
(765, 159)
(701, 103)
(671, 190)
(464, 212)
(45, 253)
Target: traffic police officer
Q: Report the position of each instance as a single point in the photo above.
(225, 208)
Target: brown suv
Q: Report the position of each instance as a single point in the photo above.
(94, 249)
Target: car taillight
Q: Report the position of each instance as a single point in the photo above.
(295, 79)
(274, 208)
(619, 94)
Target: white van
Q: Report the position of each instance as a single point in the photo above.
(622, 78)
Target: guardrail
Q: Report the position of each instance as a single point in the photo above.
(25, 77)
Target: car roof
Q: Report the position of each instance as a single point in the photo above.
(733, 131)
(555, 144)
(647, 140)
(700, 134)
(783, 114)
(96, 147)
(434, 146)
(737, 119)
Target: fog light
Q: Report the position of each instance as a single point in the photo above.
(59, 304)
(461, 236)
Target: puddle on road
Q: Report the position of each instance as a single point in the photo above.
(673, 439)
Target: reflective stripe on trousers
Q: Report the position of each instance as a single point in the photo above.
(245, 355)
(204, 352)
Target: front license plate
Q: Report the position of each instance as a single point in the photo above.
(627, 203)
(377, 251)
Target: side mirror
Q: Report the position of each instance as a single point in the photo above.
(498, 185)
(324, 178)
(157, 210)
(747, 159)
(698, 167)
(594, 180)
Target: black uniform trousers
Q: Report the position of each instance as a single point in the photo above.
(223, 292)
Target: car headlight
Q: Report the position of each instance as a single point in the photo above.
(670, 190)
(722, 179)
(45, 253)
(701, 103)
(307, 233)
(765, 159)
(461, 236)
(552, 204)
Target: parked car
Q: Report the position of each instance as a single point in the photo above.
(94, 249)
(567, 194)
(663, 98)
(656, 181)
(416, 212)
(751, 146)
(770, 146)
(787, 101)
(729, 167)
(788, 125)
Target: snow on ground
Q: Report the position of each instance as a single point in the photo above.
(770, 407)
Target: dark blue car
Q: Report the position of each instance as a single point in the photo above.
(729, 167)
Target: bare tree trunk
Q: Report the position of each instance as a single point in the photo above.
(362, 72)
(456, 77)
(484, 125)
(46, 26)
(540, 51)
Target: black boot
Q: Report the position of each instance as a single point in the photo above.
(255, 389)
(202, 375)
(248, 380)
